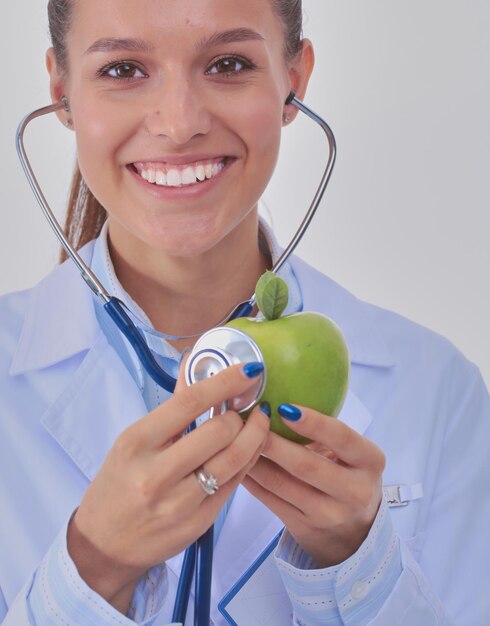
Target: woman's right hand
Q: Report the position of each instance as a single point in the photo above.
(145, 504)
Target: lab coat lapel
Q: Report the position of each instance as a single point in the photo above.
(59, 321)
(100, 398)
(100, 401)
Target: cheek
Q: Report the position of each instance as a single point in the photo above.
(261, 132)
(99, 135)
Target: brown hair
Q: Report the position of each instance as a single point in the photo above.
(85, 215)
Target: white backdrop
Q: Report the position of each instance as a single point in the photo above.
(406, 221)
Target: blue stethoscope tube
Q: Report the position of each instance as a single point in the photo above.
(198, 558)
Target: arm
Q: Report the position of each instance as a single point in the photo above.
(143, 507)
(379, 584)
(56, 595)
(451, 581)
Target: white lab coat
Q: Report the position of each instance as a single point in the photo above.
(65, 396)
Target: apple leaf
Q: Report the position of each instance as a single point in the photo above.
(272, 295)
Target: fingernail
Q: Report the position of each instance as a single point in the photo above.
(253, 369)
(265, 407)
(289, 412)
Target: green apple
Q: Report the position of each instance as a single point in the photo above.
(305, 354)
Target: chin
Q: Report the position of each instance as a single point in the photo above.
(184, 245)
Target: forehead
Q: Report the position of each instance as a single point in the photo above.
(172, 22)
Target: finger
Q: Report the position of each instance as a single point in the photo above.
(239, 456)
(310, 467)
(211, 505)
(283, 509)
(191, 510)
(173, 416)
(347, 444)
(245, 447)
(189, 497)
(192, 451)
(288, 488)
(182, 383)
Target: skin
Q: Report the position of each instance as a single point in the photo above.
(173, 254)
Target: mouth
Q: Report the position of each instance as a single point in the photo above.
(179, 175)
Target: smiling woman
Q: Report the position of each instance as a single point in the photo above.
(177, 107)
(202, 120)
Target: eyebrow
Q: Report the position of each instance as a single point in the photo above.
(112, 44)
(230, 36)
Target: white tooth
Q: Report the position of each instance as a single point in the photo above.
(200, 172)
(174, 178)
(160, 178)
(188, 176)
(209, 170)
(145, 174)
(152, 176)
(216, 169)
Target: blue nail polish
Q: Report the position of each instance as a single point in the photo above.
(265, 407)
(253, 369)
(289, 412)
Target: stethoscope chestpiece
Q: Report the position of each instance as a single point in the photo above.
(220, 348)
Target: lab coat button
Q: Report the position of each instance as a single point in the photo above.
(359, 590)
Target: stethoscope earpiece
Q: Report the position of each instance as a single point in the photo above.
(291, 97)
(66, 106)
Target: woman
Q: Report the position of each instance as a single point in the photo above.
(178, 109)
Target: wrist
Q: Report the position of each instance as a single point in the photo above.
(109, 578)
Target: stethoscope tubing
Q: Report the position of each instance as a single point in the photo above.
(112, 305)
(198, 557)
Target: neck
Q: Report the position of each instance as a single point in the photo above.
(188, 295)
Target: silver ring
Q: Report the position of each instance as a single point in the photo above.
(208, 482)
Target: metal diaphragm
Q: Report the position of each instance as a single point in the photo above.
(220, 348)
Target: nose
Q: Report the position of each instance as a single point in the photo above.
(178, 112)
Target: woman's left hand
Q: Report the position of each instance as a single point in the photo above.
(327, 493)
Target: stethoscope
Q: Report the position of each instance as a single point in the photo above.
(215, 350)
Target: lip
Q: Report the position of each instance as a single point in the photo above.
(183, 160)
(183, 192)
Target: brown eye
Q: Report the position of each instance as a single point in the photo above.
(229, 65)
(123, 71)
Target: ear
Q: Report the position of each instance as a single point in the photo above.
(300, 71)
(57, 85)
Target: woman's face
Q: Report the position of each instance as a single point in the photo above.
(177, 107)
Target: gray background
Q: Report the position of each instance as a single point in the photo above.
(406, 221)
